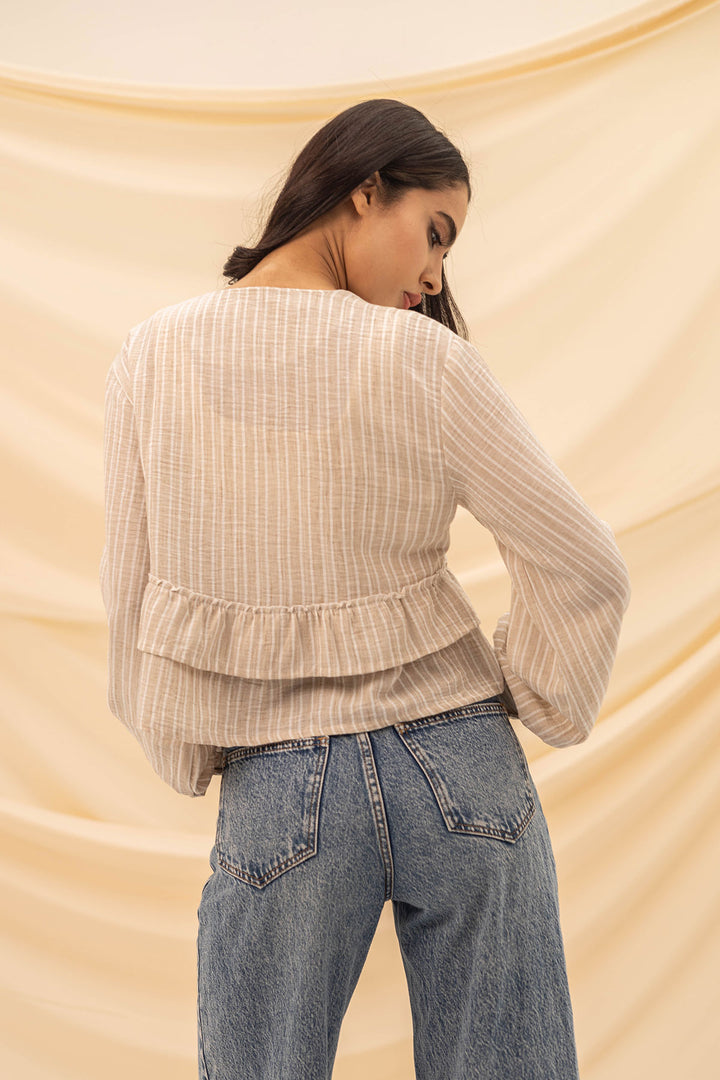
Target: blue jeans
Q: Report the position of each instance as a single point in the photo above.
(439, 815)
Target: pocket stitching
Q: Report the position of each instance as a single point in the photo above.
(309, 848)
(440, 792)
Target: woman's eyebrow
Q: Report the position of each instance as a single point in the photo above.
(450, 225)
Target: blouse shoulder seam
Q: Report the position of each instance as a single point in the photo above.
(113, 372)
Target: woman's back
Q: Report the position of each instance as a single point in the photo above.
(297, 457)
(304, 425)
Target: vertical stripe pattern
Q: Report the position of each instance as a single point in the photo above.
(282, 467)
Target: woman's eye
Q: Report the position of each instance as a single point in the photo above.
(436, 239)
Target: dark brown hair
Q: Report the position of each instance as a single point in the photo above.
(380, 135)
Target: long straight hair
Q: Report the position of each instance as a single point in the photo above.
(380, 135)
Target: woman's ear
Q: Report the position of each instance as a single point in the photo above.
(365, 194)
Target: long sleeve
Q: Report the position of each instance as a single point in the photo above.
(125, 561)
(124, 566)
(570, 585)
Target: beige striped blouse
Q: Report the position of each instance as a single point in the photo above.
(282, 467)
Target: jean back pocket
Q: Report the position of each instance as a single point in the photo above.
(269, 807)
(476, 768)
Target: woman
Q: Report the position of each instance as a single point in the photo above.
(284, 457)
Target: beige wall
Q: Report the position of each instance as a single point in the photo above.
(282, 43)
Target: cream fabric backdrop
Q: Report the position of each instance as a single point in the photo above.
(589, 270)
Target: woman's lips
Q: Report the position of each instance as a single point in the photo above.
(411, 299)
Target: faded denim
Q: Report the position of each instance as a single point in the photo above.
(440, 815)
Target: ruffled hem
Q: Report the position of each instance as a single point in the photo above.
(345, 638)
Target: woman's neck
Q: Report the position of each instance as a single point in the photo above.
(313, 260)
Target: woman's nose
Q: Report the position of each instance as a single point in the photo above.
(432, 281)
